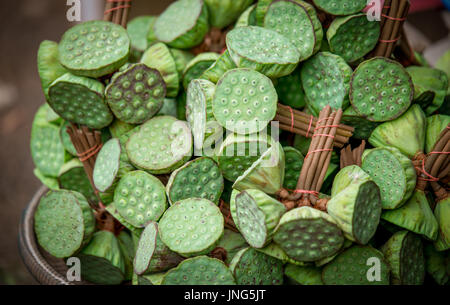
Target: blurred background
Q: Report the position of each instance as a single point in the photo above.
(25, 23)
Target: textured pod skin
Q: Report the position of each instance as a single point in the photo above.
(397, 186)
(340, 7)
(273, 250)
(293, 166)
(107, 165)
(352, 174)
(48, 64)
(232, 242)
(322, 262)
(182, 59)
(318, 28)
(407, 133)
(363, 127)
(435, 125)
(441, 213)
(303, 275)
(169, 107)
(183, 24)
(65, 139)
(118, 128)
(102, 261)
(222, 64)
(126, 246)
(248, 17)
(290, 91)
(260, 11)
(197, 66)
(111, 208)
(50, 182)
(251, 267)
(73, 177)
(225, 12)
(404, 255)
(138, 29)
(436, 264)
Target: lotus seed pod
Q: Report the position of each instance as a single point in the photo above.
(245, 101)
(63, 223)
(48, 64)
(307, 234)
(124, 160)
(265, 174)
(152, 255)
(200, 270)
(183, 24)
(363, 128)
(353, 267)
(257, 214)
(293, 165)
(118, 128)
(234, 193)
(182, 59)
(406, 133)
(273, 250)
(94, 48)
(138, 29)
(111, 208)
(340, 7)
(224, 12)
(159, 57)
(404, 255)
(80, 100)
(50, 182)
(73, 177)
(232, 242)
(197, 66)
(127, 249)
(436, 264)
(347, 176)
(200, 177)
(326, 79)
(279, 57)
(169, 107)
(199, 226)
(140, 197)
(430, 87)
(44, 116)
(222, 64)
(101, 261)
(136, 94)
(290, 90)
(107, 165)
(441, 213)
(181, 105)
(352, 37)
(148, 279)
(357, 210)
(260, 11)
(322, 262)
(248, 17)
(302, 144)
(435, 125)
(161, 145)
(415, 215)
(303, 275)
(65, 139)
(381, 89)
(251, 267)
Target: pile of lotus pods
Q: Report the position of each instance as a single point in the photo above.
(158, 104)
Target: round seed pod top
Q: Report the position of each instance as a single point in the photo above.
(347, 176)
(107, 165)
(340, 7)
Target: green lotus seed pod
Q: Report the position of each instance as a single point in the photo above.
(406, 133)
(404, 255)
(248, 17)
(123, 139)
(111, 208)
(290, 90)
(182, 59)
(352, 37)
(138, 29)
(232, 242)
(200, 270)
(159, 57)
(50, 182)
(430, 87)
(260, 11)
(353, 267)
(140, 197)
(307, 234)
(251, 267)
(197, 66)
(245, 101)
(73, 177)
(278, 58)
(293, 166)
(181, 105)
(265, 174)
(273, 250)
(363, 128)
(351, 174)
(222, 64)
(415, 215)
(224, 12)
(203, 220)
(169, 107)
(118, 128)
(380, 89)
(234, 193)
(436, 264)
(257, 215)
(441, 213)
(148, 279)
(107, 165)
(80, 100)
(303, 275)
(63, 223)
(126, 246)
(435, 125)
(136, 94)
(65, 139)
(48, 64)
(94, 48)
(326, 79)
(183, 24)
(340, 7)
(393, 172)
(101, 261)
(161, 145)
(41, 117)
(322, 262)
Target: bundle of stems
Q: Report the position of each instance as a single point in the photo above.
(117, 11)
(298, 122)
(352, 157)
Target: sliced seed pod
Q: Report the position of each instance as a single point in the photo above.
(251, 267)
(111, 208)
(118, 128)
(63, 223)
(80, 100)
(393, 172)
(340, 7)
(430, 87)
(136, 94)
(290, 90)
(169, 107)
(303, 275)
(65, 139)
(107, 165)
(248, 17)
(404, 255)
(415, 215)
(352, 267)
(308, 235)
(232, 242)
(265, 174)
(222, 64)
(260, 11)
(244, 45)
(140, 197)
(205, 219)
(258, 215)
(363, 128)
(347, 176)
(224, 12)
(197, 66)
(249, 113)
(94, 48)
(48, 64)
(126, 246)
(138, 29)
(381, 89)
(50, 182)
(72, 177)
(435, 125)
(406, 133)
(159, 57)
(326, 79)
(207, 271)
(182, 58)
(357, 210)
(101, 261)
(436, 264)
(173, 147)
(441, 213)
(293, 165)
(152, 255)
(352, 37)
(183, 24)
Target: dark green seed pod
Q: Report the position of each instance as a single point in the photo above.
(290, 90)
(65, 139)
(293, 166)
(435, 125)
(126, 246)
(303, 275)
(436, 264)
(224, 12)
(118, 128)
(363, 128)
(197, 66)
(169, 107)
(182, 59)
(73, 177)
(48, 64)
(232, 242)
(441, 212)
(222, 64)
